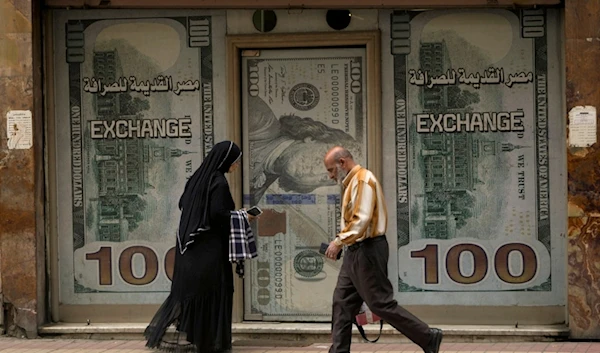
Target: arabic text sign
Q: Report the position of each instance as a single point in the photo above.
(158, 84)
(492, 76)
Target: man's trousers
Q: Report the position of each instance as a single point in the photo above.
(363, 277)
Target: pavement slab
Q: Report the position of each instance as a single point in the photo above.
(45, 345)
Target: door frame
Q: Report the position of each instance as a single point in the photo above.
(235, 44)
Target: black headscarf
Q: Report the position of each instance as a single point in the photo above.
(195, 201)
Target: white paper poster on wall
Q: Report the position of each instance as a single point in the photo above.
(476, 112)
(19, 129)
(140, 104)
(582, 126)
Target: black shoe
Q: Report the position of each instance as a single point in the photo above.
(435, 340)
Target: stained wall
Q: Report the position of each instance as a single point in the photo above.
(21, 198)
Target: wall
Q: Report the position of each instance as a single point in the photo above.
(21, 174)
(582, 52)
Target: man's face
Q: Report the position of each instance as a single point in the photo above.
(335, 170)
(332, 168)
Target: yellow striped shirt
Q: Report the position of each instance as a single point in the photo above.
(364, 214)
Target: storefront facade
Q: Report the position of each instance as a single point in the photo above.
(460, 111)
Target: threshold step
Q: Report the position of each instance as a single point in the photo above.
(318, 332)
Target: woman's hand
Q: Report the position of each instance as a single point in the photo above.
(250, 217)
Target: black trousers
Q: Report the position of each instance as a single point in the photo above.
(363, 277)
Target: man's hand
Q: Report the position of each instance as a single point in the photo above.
(332, 251)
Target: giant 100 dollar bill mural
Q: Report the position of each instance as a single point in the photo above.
(296, 105)
(474, 92)
(137, 105)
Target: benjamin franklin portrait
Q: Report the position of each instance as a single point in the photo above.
(289, 149)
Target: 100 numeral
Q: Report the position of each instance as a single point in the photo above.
(430, 255)
(105, 272)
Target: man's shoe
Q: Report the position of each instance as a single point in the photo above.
(435, 340)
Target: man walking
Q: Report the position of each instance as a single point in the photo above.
(363, 275)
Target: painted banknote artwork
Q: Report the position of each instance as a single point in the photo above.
(137, 116)
(298, 104)
(472, 105)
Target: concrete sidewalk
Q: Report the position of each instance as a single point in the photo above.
(14, 345)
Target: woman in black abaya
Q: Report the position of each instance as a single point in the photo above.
(200, 302)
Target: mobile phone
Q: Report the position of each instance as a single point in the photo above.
(324, 247)
(254, 211)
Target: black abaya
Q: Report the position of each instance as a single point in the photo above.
(200, 303)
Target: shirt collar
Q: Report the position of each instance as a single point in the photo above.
(351, 175)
